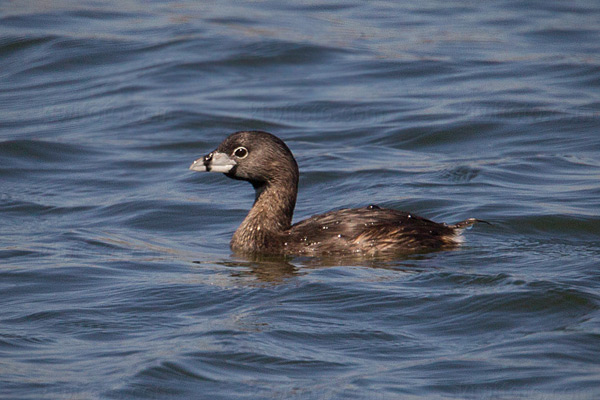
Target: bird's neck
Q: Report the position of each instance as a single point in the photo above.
(271, 215)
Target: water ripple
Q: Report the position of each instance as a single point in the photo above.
(116, 277)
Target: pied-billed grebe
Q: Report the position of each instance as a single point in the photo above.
(267, 163)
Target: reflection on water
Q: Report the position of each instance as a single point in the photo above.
(264, 269)
(277, 269)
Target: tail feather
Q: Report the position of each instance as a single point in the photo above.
(467, 223)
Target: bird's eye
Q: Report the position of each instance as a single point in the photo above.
(240, 152)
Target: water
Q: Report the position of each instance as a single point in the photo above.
(116, 279)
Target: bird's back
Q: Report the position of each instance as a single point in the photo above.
(370, 230)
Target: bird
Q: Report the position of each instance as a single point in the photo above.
(265, 161)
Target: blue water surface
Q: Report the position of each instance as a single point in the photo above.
(116, 278)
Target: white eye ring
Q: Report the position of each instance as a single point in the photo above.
(240, 152)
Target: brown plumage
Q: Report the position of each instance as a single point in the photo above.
(267, 163)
